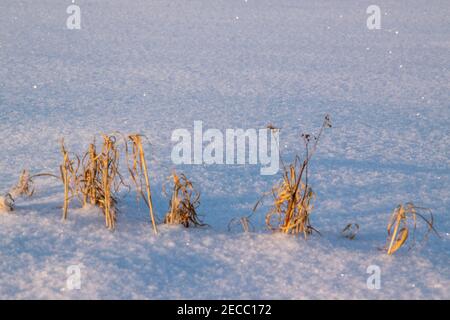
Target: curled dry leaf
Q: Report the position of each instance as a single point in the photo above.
(350, 231)
(403, 219)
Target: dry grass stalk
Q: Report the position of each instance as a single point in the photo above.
(292, 205)
(402, 219)
(89, 182)
(24, 187)
(109, 179)
(95, 179)
(69, 177)
(293, 197)
(244, 222)
(350, 231)
(139, 172)
(183, 203)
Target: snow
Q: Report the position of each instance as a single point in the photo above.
(156, 66)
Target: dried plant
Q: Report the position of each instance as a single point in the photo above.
(6, 203)
(350, 231)
(402, 220)
(139, 172)
(183, 203)
(89, 182)
(24, 187)
(244, 222)
(110, 179)
(69, 177)
(293, 197)
(292, 203)
(95, 180)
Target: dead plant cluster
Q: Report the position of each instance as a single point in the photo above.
(183, 203)
(293, 196)
(403, 222)
(24, 187)
(94, 178)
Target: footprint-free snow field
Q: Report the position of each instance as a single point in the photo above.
(156, 66)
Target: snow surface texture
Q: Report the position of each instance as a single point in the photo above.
(154, 66)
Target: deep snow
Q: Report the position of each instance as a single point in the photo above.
(155, 66)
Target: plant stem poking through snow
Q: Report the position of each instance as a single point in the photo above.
(97, 179)
(292, 197)
(69, 178)
(23, 188)
(139, 172)
(183, 203)
(109, 171)
(89, 181)
(245, 223)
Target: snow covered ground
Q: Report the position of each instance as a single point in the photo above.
(155, 66)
